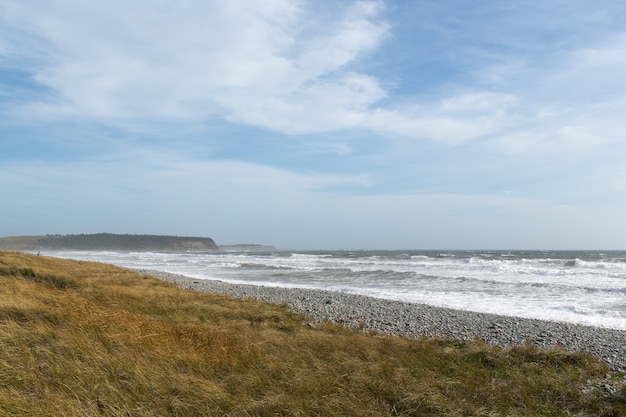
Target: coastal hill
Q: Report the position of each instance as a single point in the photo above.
(109, 241)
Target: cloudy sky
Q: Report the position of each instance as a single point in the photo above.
(418, 124)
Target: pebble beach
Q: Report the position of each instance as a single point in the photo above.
(419, 320)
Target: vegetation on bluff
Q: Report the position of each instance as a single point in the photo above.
(109, 241)
(81, 338)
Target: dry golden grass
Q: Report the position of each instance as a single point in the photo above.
(88, 339)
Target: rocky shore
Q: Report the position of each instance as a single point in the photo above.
(417, 320)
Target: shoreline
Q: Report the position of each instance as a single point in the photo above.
(420, 320)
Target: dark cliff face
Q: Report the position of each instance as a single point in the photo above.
(110, 241)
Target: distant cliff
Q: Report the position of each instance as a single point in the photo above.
(109, 241)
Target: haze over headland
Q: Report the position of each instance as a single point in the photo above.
(109, 242)
(122, 243)
(349, 124)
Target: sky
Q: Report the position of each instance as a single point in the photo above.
(317, 124)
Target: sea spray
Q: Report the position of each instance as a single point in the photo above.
(586, 287)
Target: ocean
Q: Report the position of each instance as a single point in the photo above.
(585, 287)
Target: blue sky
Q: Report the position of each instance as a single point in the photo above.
(317, 124)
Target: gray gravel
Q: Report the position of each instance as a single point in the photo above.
(416, 320)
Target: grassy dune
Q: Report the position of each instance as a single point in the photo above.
(88, 339)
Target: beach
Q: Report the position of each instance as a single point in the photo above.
(420, 320)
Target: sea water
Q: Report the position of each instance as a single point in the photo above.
(577, 287)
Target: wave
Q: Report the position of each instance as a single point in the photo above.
(568, 286)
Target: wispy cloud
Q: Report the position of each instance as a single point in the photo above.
(449, 118)
(245, 61)
(281, 67)
(264, 65)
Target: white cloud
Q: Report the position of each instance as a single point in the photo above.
(353, 35)
(565, 106)
(566, 141)
(278, 65)
(319, 106)
(595, 72)
(286, 66)
(453, 119)
(122, 61)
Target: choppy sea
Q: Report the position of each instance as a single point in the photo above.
(579, 287)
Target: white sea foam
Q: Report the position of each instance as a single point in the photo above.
(584, 288)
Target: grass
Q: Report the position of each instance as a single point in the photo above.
(19, 242)
(89, 339)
